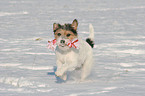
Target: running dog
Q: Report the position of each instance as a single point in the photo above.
(72, 53)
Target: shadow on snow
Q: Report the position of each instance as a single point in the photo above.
(58, 80)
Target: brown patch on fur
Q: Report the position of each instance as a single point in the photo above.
(65, 33)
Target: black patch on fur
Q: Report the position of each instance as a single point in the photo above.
(66, 27)
(90, 42)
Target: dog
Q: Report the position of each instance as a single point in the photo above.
(72, 53)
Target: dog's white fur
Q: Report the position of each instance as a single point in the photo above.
(70, 59)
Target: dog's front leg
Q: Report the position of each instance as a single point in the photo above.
(67, 67)
(58, 71)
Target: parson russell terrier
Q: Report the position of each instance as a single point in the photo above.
(72, 53)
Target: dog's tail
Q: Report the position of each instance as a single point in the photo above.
(90, 39)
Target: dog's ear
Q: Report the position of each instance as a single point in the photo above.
(56, 26)
(74, 24)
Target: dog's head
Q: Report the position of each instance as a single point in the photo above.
(65, 33)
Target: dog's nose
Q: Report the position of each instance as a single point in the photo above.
(62, 41)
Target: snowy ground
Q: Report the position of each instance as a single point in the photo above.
(27, 66)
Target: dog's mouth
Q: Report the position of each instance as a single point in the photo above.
(62, 45)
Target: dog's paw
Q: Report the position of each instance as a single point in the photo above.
(64, 77)
(58, 73)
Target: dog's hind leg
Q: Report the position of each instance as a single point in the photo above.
(86, 68)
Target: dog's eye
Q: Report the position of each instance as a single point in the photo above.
(58, 34)
(68, 35)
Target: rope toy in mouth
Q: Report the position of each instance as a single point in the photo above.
(52, 45)
(71, 44)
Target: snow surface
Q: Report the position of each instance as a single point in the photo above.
(27, 66)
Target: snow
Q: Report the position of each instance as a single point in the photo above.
(8, 14)
(27, 67)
